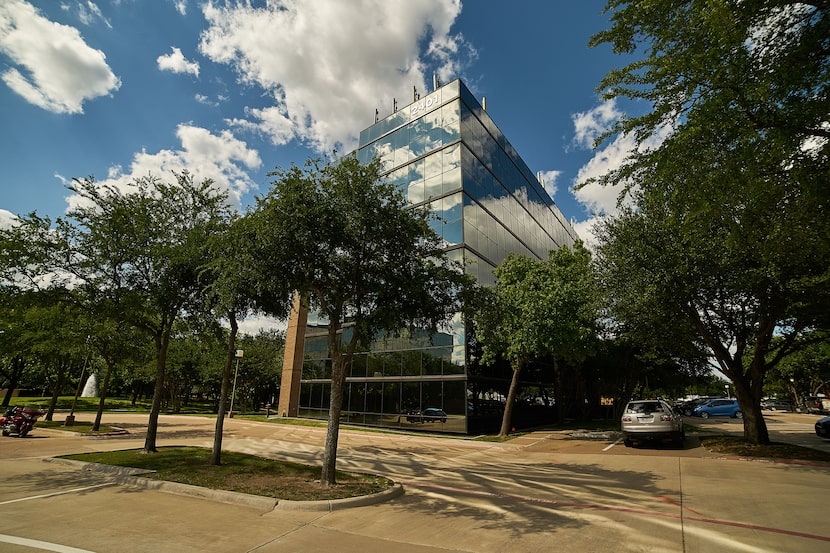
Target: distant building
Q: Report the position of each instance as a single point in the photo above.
(444, 151)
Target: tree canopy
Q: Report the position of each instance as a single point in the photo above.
(729, 236)
(131, 255)
(762, 62)
(358, 254)
(538, 309)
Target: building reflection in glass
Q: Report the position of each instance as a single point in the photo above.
(444, 151)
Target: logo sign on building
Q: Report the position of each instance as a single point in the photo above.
(424, 105)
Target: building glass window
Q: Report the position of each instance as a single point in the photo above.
(446, 150)
(392, 398)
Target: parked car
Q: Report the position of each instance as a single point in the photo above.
(817, 405)
(778, 405)
(688, 407)
(823, 427)
(651, 419)
(430, 414)
(719, 408)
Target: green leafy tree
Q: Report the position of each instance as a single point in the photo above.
(56, 336)
(753, 64)
(804, 373)
(360, 256)
(13, 354)
(241, 279)
(25, 249)
(729, 234)
(116, 344)
(737, 285)
(262, 367)
(538, 309)
(137, 253)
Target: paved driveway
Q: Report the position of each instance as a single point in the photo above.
(542, 492)
(783, 426)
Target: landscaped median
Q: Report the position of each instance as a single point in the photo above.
(241, 479)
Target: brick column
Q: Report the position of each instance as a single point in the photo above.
(292, 365)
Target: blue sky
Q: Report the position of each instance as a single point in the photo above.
(230, 90)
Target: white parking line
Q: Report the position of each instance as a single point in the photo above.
(42, 545)
(57, 493)
(619, 441)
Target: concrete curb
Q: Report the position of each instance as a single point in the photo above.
(259, 502)
(130, 476)
(337, 504)
(98, 467)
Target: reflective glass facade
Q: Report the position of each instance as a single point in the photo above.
(444, 151)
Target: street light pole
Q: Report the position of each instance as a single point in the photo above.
(239, 353)
(70, 419)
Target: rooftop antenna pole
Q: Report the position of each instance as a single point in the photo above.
(484, 103)
(415, 94)
(436, 84)
(394, 105)
(376, 115)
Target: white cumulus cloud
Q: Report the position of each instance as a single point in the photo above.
(90, 12)
(548, 181)
(7, 219)
(590, 124)
(53, 67)
(181, 6)
(603, 201)
(220, 157)
(177, 63)
(595, 197)
(328, 64)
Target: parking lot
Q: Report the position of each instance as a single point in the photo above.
(534, 493)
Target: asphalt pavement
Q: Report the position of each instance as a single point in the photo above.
(543, 491)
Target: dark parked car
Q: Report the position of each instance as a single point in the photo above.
(778, 405)
(430, 414)
(823, 427)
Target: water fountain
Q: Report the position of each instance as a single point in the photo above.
(91, 387)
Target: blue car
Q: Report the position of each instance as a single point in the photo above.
(823, 427)
(719, 408)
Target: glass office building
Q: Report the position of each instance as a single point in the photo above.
(444, 151)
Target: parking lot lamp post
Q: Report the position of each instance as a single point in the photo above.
(70, 419)
(727, 391)
(238, 355)
(794, 393)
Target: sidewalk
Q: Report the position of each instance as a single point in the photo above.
(458, 496)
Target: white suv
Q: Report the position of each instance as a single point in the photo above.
(651, 419)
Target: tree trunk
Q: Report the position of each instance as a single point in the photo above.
(749, 399)
(558, 392)
(328, 476)
(59, 381)
(507, 418)
(216, 455)
(17, 366)
(158, 394)
(103, 393)
(755, 427)
(338, 378)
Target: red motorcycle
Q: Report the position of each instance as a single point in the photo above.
(19, 421)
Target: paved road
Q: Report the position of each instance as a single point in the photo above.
(795, 428)
(541, 492)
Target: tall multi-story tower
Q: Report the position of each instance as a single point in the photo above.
(444, 151)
